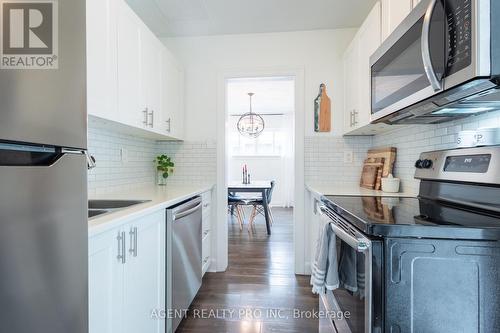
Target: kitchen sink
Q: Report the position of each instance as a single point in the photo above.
(96, 212)
(113, 204)
(100, 207)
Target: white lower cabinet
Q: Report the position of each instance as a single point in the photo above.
(127, 277)
(105, 283)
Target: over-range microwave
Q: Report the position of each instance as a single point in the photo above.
(441, 63)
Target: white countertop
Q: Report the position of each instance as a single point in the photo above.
(322, 189)
(160, 197)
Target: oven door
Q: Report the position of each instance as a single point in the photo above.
(350, 306)
(410, 65)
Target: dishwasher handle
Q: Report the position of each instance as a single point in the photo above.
(186, 209)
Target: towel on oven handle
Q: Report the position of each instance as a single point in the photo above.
(325, 268)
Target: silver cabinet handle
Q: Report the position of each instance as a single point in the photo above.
(354, 117)
(426, 48)
(145, 113)
(133, 241)
(121, 247)
(169, 122)
(152, 114)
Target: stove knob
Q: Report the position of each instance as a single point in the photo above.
(418, 164)
(427, 164)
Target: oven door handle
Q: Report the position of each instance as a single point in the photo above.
(359, 243)
(426, 48)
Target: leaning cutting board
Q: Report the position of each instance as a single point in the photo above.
(368, 176)
(325, 112)
(389, 156)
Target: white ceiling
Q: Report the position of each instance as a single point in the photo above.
(175, 18)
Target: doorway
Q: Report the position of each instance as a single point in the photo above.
(261, 161)
(296, 186)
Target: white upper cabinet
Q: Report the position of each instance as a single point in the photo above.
(130, 100)
(172, 96)
(357, 103)
(129, 82)
(393, 13)
(351, 91)
(369, 38)
(102, 75)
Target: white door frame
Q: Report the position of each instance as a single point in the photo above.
(220, 242)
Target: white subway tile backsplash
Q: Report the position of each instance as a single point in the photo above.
(324, 161)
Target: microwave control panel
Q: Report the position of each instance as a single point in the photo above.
(459, 21)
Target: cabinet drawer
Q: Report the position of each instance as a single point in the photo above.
(206, 252)
(206, 244)
(206, 199)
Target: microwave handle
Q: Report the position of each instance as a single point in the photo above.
(426, 48)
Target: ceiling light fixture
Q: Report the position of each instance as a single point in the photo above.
(251, 124)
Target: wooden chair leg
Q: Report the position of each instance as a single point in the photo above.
(252, 217)
(240, 218)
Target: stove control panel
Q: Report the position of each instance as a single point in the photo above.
(475, 165)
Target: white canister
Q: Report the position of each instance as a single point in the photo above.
(488, 136)
(390, 184)
(466, 139)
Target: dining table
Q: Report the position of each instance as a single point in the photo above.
(256, 186)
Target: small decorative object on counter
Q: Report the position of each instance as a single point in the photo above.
(246, 175)
(390, 184)
(466, 139)
(322, 111)
(164, 168)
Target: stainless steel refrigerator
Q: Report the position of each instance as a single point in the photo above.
(43, 168)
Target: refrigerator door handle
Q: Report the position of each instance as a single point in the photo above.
(90, 159)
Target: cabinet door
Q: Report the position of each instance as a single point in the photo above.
(351, 91)
(102, 72)
(172, 96)
(144, 276)
(130, 101)
(151, 50)
(369, 39)
(105, 283)
(393, 13)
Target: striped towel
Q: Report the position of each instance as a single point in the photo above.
(325, 269)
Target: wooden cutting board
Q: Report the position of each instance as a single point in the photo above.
(388, 155)
(369, 176)
(378, 163)
(325, 112)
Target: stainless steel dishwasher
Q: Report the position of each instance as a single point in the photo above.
(184, 227)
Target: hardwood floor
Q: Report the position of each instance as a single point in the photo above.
(259, 286)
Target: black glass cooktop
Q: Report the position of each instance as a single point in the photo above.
(414, 217)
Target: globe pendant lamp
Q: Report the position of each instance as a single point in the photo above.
(251, 124)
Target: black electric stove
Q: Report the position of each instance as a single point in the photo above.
(415, 217)
(424, 264)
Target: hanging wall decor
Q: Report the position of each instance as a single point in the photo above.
(322, 111)
(251, 124)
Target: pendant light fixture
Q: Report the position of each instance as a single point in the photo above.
(251, 124)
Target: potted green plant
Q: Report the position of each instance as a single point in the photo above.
(164, 168)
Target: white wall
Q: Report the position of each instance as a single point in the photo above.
(318, 53)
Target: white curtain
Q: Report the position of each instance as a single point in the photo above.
(287, 160)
